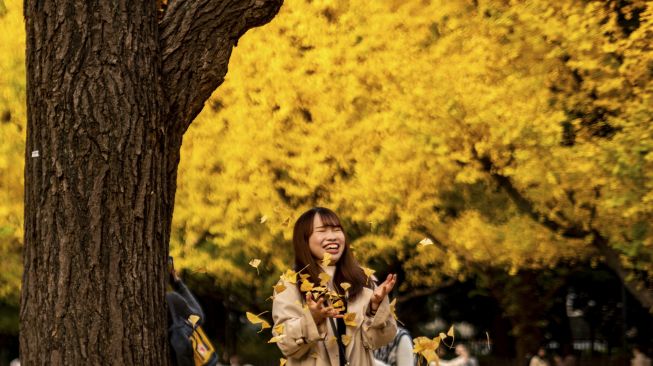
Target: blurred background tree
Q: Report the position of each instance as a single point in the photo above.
(516, 136)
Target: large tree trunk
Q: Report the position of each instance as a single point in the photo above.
(106, 116)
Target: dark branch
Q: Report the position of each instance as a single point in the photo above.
(195, 41)
(638, 288)
(424, 292)
(525, 205)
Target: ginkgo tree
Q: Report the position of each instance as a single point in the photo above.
(509, 136)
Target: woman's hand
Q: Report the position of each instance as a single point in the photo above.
(381, 291)
(319, 311)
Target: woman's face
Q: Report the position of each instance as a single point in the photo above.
(329, 239)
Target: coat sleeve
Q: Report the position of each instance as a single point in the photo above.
(293, 324)
(380, 329)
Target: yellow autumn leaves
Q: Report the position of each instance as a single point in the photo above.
(427, 347)
(424, 347)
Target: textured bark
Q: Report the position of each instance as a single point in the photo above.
(103, 139)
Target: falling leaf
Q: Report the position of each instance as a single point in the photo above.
(276, 339)
(324, 278)
(193, 319)
(368, 272)
(279, 288)
(350, 319)
(289, 276)
(306, 285)
(255, 263)
(393, 306)
(256, 319)
(345, 286)
(338, 304)
(332, 339)
(326, 259)
(264, 219)
(451, 333)
(282, 361)
(427, 347)
(442, 335)
(345, 339)
(304, 276)
(425, 242)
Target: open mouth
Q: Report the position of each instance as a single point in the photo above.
(332, 248)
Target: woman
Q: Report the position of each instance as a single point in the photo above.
(344, 317)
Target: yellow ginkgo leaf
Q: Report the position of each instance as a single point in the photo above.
(319, 289)
(255, 263)
(289, 276)
(193, 319)
(451, 333)
(324, 278)
(427, 347)
(306, 286)
(425, 242)
(276, 339)
(264, 219)
(345, 286)
(345, 339)
(332, 339)
(326, 259)
(350, 319)
(442, 335)
(279, 288)
(368, 272)
(278, 329)
(338, 304)
(304, 276)
(393, 311)
(282, 361)
(256, 319)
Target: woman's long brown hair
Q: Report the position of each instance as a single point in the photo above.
(347, 268)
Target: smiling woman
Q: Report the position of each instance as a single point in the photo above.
(358, 312)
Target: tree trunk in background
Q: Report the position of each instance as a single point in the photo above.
(525, 298)
(106, 116)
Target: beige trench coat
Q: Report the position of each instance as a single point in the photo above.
(305, 344)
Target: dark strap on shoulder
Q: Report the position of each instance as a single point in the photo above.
(171, 309)
(341, 347)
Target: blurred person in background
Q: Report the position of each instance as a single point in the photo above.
(540, 358)
(639, 358)
(463, 358)
(399, 352)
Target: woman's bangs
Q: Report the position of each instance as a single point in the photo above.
(329, 219)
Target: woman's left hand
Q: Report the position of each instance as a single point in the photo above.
(381, 291)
